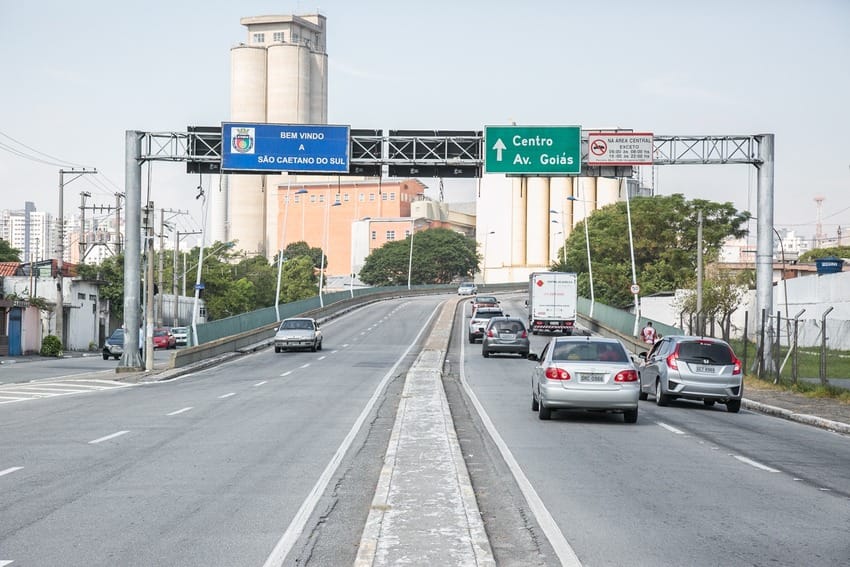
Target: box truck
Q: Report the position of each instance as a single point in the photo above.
(552, 299)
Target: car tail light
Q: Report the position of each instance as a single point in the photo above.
(490, 333)
(524, 334)
(626, 376)
(736, 369)
(673, 359)
(555, 373)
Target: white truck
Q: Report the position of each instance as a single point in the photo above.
(552, 299)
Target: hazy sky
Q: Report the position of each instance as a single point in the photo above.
(76, 75)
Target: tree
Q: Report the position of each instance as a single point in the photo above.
(722, 293)
(111, 271)
(439, 256)
(7, 253)
(665, 244)
(298, 280)
(301, 248)
(817, 253)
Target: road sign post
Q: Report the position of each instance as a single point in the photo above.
(532, 150)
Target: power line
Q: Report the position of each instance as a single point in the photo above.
(54, 158)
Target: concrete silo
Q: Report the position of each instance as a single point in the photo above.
(279, 76)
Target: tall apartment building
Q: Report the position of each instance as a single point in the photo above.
(30, 231)
(279, 75)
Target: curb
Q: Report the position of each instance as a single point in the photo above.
(805, 418)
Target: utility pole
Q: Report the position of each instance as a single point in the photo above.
(82, 241)
(118, 197)
(60, 250)
(149, 306)
(84, 244)
(160, 319)
(174, 272)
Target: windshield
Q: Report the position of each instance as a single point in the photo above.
(296, 324)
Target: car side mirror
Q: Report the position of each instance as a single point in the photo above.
(533, 357)
(642, 355)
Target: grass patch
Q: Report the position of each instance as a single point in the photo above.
(807, 389)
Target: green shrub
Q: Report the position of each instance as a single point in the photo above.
(51, 346)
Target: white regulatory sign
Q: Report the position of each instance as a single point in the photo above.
(635, 288)
(619, 148)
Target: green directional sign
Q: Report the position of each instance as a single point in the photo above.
(532, 150)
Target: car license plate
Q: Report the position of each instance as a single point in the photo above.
(507, 336)
(705, 369)
(591, 378)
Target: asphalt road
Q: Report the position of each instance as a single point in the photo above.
(277, 455)
(228, 466)
(41, 368)
(686, 485)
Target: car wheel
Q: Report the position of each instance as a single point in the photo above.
(471, 339)
(105, 356)
(313, 347)
(485, 353)
(643, 396)
(276, 350)
(524, 354)
(320, 345)
(534, 405)
(733, 406)
(544, 413)
(708, 403)
(630, 416)
(660, 398)
(117, 357)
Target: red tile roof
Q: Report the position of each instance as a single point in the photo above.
(8, 268)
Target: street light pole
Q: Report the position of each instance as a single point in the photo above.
(282, 248)
(410, 257)
(486, 240)
(587, 245)
(324, 244)
(632, 251)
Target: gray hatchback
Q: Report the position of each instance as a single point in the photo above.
(695, 368)
(505, 335)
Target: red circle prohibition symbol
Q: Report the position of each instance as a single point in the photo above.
(598, 147)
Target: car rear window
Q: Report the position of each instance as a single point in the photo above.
(590, 352)
(713, 353)
(488, 314)
(509, 326)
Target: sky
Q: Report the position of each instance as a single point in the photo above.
(77, 75)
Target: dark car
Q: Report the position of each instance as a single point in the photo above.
(114, 346)
(506, 335)
(694, 368)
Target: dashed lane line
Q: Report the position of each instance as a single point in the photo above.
(223, 396)
(10, 470)
(755, 464)
(182, 410)
(260, 383)
(108, 437)
(671, 428)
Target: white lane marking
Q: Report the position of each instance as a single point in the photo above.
(108, 437)
(322, 357)
(10, 470)
(550, 528)
(670, 428)
(4, 562)
(304, 365)
(755, 464)
(334, 351)
(296, 526)
(223, 396)
(11, 399)
(178, 412)
(187, 375)
(363, 332)
(345, 345)
(260, 383)
(287, 373)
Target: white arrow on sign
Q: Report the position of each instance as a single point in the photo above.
(499, 146)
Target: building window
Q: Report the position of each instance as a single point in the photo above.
(390, 235)
(374, 235)
(392, 196)
(371, 196)
(296, 199)
(259, 38)
(361, 197)
(345, 197)
(81, 296)
(278, 36)
(407, 233)
(92, 297)
(321, 198)
(383, 196)
(337, 198)
(312, 198)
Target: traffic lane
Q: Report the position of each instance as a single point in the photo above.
(812, 455)
(241, 460)
(12, 372)
(628, 494)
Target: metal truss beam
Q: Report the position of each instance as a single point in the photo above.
(405, 148)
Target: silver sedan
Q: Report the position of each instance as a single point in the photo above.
(298, 333)
(584, 373)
